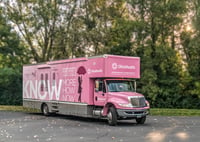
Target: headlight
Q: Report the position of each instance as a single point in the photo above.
(126, 105)
(147, 103)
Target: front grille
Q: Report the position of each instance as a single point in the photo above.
(138, 101)
(136, 112)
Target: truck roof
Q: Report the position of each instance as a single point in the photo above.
(61, 61)
(96, 66)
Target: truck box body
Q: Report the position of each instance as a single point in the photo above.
(68, 86)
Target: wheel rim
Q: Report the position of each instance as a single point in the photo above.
(112, 116)
(45, 109)
(109, 117)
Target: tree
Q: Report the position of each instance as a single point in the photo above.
(121, 35)
(99, 19)
(155, 42)
(190, 41)
(150, 29)
(12, 52)
(12, 56)
(55, 29)
(39, 22)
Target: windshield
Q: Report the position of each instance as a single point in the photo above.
(120, 86)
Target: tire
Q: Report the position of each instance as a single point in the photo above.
(141, 120)
(45, 110)
(112, 116)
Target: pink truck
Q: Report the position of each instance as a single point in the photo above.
(98, 87)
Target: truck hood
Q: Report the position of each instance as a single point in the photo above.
(123, 100)
(121, 97)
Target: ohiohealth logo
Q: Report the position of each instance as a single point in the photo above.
(117, 66)
(90, 71)
(114, 66)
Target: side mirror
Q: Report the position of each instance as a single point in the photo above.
(96, 90)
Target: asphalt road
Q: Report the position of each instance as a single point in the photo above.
(26, 127)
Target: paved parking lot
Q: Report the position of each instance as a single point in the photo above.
(26, 127)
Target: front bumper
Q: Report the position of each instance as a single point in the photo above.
(130, 113)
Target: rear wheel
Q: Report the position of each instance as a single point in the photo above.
(112, 116)
(45, 109)
(141, 120)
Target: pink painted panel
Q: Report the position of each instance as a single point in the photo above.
(96, 67)
(120, 66)
(71, 80)
(114, 66)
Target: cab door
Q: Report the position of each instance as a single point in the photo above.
(100, 95)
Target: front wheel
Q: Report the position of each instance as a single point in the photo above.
(112, 116)
(141, 120)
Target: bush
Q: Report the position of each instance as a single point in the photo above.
(10, 87)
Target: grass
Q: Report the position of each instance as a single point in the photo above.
(153, 111)
(175, 112)
(16, 109)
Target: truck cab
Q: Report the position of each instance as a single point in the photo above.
(119, 100)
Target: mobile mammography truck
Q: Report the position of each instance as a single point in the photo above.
(98, 87)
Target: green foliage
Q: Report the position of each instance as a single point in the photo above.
(197, 88)
(150, 29)
(161, 76)
(190, 41)
(12, 56)
(10, 87)
(155, 42)
(120, 35)
(12, 53)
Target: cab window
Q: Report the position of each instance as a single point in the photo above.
(99, 86)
